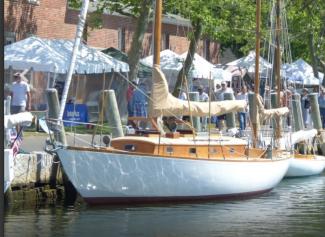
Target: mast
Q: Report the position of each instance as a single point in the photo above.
(278, 65)
(157, 32)
(255, 121)
(80, 27)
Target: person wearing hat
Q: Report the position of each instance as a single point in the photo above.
(20, 95)
(305, 107)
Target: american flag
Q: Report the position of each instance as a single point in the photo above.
(16, 142)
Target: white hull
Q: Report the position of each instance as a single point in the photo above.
(102, 177)
(306, 167)
(8, 168)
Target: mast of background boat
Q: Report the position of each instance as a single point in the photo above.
(277, 67)
(157, 32)
(255, 121)
(80, 27)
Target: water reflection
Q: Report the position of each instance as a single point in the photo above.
(295, 208)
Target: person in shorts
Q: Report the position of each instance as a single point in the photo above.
(20, 95)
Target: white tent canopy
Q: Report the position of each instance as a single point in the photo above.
(220, 74)
(46, 55)
(203, 68)
(301, 72)
(248, 63)
(170, 63)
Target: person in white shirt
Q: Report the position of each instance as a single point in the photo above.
(20, 95)
(220, 97)
(242, 115)
(181, 94)
(203, 97)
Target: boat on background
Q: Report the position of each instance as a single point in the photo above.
(305, 164)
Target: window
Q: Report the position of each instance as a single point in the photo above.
(169, 150)
(10, 37)
(121, 39)
(206, 49)
(129, 147)
(165, 43)
(192, 150)
(33, 2)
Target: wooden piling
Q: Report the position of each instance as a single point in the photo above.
(194, 96)
(297, 112)
(230, 117)
(112, 113)
(53, 113)
(315, 114)
(59, 134)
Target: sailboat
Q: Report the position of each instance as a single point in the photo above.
(172, 167)
(303, 164)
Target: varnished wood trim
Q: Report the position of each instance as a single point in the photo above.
(112, 150)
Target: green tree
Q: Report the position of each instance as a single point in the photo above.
(139, 10)
(306, 20)
(230, 22)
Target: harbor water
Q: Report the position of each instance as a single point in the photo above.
(296, 207)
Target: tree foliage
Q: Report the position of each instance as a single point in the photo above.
(232, 22)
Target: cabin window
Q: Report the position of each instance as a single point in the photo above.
(232, 150)
(129, 147)
(192, 150)
(169, 150)
(213, 150)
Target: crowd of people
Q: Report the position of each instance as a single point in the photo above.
(138, 103)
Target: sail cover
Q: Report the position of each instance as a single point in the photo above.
(165, 104)
(268, 113)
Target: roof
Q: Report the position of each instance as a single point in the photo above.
(168, 18)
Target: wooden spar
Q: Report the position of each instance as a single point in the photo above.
(157, 32)
(277, 66)
(257, 69)
(80, 27)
